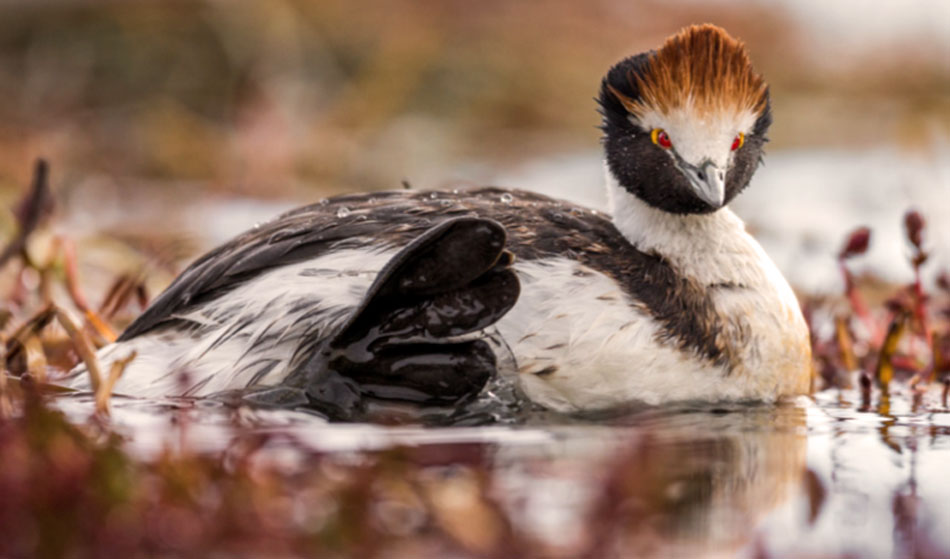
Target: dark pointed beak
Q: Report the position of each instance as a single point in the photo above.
(708, 182)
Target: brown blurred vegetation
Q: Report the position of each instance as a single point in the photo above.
(265, 97)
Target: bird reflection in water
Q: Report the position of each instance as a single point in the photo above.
(678, 483)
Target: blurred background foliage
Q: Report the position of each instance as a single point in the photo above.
(170, 126)
(290, 98)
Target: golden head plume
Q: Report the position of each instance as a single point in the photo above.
(700, 67)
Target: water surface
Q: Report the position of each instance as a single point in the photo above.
(813, 478)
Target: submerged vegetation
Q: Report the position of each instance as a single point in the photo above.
(75, 491)
(74, 487)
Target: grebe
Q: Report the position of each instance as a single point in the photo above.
(424, 296)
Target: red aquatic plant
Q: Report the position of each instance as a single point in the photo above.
(857, 244)
(900, 339)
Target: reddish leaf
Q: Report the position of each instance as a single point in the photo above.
(857, 243)
(914, 224)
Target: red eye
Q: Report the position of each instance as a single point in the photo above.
(737, 143)
(661, 138)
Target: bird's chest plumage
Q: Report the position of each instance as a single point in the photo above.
(579, 340)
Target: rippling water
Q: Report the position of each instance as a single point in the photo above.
(813, 478)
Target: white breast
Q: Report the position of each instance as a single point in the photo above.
(580, 343)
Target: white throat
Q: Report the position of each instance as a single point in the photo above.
(711, 248)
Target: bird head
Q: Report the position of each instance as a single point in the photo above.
(684, 126)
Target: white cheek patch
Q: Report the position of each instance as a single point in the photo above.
(697, 137)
